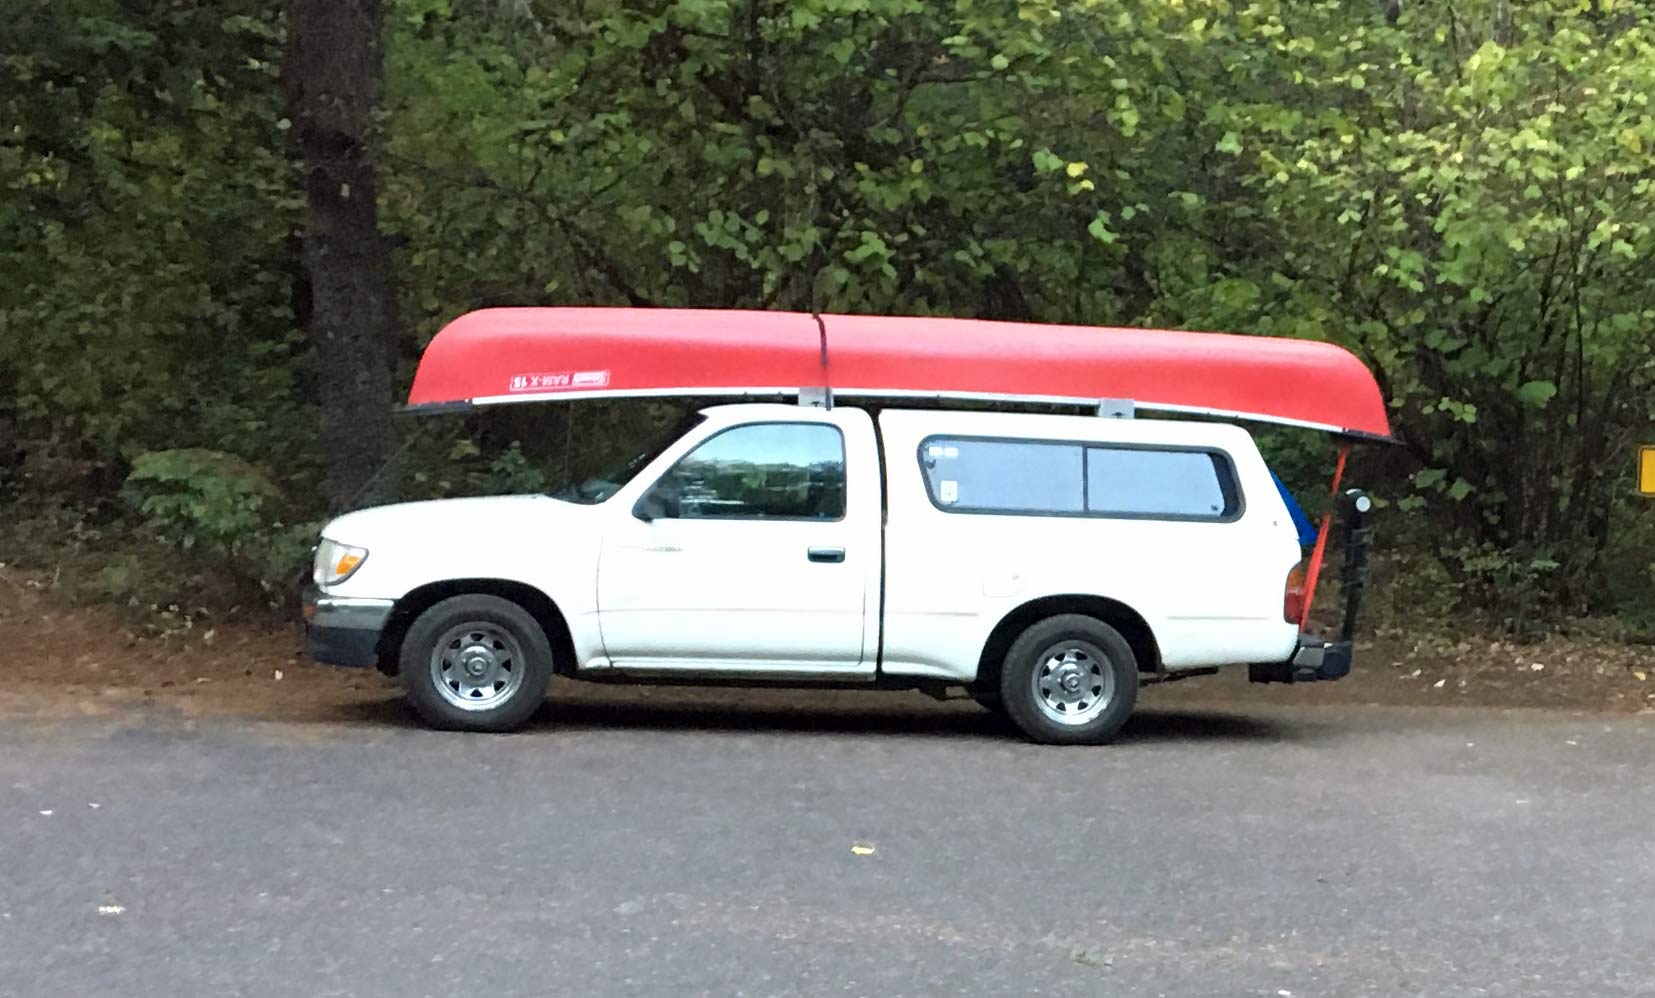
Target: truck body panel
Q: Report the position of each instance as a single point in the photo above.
(902, 582)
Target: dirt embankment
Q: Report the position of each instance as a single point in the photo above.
(61, 658)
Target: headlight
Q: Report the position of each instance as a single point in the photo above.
(335, 562)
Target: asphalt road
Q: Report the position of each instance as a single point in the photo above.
(681, 850)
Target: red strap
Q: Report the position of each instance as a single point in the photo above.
(1315, 570)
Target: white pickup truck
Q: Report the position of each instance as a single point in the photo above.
(1045, 565)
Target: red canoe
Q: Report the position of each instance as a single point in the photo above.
(521, 354)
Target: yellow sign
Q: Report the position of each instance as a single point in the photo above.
(1646, 470)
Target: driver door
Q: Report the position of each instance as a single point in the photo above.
(744, 558)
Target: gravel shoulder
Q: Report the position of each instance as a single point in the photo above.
(76, 660)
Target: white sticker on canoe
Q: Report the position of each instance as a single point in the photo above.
(559, 382)
(949, 490)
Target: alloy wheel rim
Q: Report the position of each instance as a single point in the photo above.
(477, 666)
(1073, 683)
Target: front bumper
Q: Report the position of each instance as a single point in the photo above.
(344, 630)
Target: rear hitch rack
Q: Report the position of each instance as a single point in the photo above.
(1316, 658)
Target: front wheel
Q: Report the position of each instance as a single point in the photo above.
(987, 696)
(1069, 680)
(476, 663)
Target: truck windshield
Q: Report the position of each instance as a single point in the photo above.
(618, 472)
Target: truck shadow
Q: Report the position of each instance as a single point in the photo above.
(803, 716)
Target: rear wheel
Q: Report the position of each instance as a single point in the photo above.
(476, 663)
(1069, 680)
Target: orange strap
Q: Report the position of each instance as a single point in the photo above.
(1316, 553)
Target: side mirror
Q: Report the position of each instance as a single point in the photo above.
(650, 507)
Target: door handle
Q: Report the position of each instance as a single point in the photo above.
(827, 555)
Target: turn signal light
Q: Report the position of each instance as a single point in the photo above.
(335, 562)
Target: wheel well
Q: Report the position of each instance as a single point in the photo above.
(417, 601)
(1116, 614)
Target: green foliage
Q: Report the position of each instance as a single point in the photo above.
(1629, 571)
(147, 209)
(222, 506)
(466, 469)
(1462, 196)
(1463, 199)
(200, 497)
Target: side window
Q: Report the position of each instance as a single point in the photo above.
(1077, 479)
(1137, 482)
(1011, 476)
(764, 471)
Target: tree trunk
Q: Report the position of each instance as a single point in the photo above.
(334, 75)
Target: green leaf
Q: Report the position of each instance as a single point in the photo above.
(1536, 393)
(1046, 161)
(1099, 228)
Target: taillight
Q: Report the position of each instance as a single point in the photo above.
(1293, 599)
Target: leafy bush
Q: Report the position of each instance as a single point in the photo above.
(1512, 582)
(1630, 569)
(222, 506)
(466, 470)
(204, 497)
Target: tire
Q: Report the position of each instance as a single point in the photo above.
(1069, 680)
(475, 663)
(989, 701)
